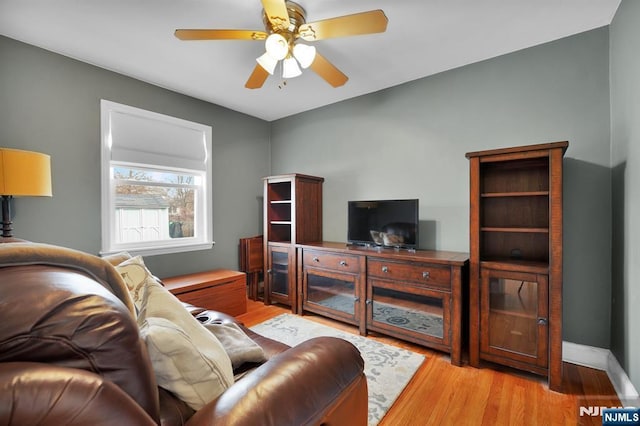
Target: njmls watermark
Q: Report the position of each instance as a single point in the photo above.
(613, 415)
(593, 411)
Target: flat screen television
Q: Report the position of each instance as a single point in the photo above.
(387, 223)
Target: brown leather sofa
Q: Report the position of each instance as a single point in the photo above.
(71, 353)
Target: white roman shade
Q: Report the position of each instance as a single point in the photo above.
(138, 136)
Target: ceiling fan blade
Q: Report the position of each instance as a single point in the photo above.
(257, 78)
(328, 71)
(374, 21)
(276, 13)
(220, 35)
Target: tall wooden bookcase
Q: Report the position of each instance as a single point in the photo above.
(292, 215)
(516, 258)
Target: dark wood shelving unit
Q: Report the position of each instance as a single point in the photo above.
(292, 214)
(516, 258)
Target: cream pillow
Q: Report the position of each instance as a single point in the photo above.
(135, 275)
(187, 359)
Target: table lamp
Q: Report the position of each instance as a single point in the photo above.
(22, 173)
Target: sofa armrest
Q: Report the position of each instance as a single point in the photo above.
(316, 380)
(35, 393)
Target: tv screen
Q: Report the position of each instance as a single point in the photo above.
(387, 223)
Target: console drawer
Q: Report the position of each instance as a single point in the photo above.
(334, 261)
(419, 273)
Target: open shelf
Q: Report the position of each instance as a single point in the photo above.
(516, 244)
(515, 229)
(515, 194)
(280, 232)
(506, 264)
(515, 176)
(515, 214)
(280, 191)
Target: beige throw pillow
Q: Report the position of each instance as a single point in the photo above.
(188, 360)
(136, 276)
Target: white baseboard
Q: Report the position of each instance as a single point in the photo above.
(603, 359)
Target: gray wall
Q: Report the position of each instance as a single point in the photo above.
(625, 161)
(51, 104)
(410, 141)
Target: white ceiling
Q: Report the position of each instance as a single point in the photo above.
(424, 37)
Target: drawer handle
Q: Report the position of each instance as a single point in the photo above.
(542, 321)
(343, 263)
(425, 275)
(385, 269)
(315, 259)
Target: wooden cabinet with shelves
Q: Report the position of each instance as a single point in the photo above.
(292, 214)
(516, 258)
(416, 296)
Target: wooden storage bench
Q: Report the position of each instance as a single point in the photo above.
(219, 290)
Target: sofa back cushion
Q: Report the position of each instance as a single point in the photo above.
(60, 316)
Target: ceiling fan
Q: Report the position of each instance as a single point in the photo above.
(285, 24)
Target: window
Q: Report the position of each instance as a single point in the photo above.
(156, 182)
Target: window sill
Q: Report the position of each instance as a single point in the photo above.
(153, 251)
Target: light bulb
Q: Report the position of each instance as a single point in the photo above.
(305, 54)
(290, 68)
(276, 46)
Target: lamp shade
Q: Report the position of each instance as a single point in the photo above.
(290, 68)
(304, 54)
(267, 62)
(24, 173)
(277, 46)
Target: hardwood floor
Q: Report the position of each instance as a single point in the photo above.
(442, 394)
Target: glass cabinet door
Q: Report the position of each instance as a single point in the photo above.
(332, 294)
(422, 314)
(514, 315)
(279, 275)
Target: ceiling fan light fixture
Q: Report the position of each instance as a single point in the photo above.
(277, 46)
(285, 23)
(290, 68)
(305, 54)
(267, 62)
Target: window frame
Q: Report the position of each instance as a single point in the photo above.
(203, 210)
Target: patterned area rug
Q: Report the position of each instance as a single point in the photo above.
(388, 369)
